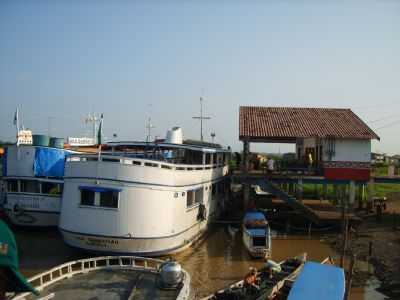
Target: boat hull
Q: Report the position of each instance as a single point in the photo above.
(134, 246)
(32, 210)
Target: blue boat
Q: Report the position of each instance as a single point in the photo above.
(319, 281)
(256, 234)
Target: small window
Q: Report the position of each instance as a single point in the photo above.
(135, 162)
(87, 197)
(109, 199)
(111, 159)
(91, 159)
(199, 195)
(29, 186)
(12, 185)
(166, 167)
(51, 188)
(189, 198)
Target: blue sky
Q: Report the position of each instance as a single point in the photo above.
(60, 60)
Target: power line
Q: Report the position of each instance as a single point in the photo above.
(389, 125)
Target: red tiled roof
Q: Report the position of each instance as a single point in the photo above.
(285, 124)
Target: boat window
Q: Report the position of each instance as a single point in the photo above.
(87, 197)
(12, 185)
(166, 167)
(208, 158)
(109, 199)
(51, 188)
(214, 189)
(29, 186)
(111, 159)
(199, 195)
(189, 198)
(259, 241)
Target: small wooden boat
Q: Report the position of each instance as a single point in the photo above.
(270, 279)
(256, 234)
(315, 281)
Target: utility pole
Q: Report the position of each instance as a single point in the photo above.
(201, 118)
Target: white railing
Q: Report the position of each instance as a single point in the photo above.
(141, 162)
(72, 268)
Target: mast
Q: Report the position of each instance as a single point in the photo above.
(149, 126)
(201, 118)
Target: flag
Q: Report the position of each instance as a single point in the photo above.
(16, 117)
(100, 131)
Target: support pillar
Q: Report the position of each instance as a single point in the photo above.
(352, 193)
(371, 193)
(300, 189)
(246, 185)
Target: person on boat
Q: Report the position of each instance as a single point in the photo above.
(250, 281)
(11, 280)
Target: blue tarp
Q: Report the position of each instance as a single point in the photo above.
(49, 162)
(257, 232)
(317, 281)
(254, 216)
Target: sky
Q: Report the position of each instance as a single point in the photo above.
(131, 60)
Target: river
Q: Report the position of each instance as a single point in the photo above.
(216, 261)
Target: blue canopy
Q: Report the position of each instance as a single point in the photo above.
(254, 215)
(49, 162)
(318, 281)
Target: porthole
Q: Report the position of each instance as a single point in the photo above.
(183, 194)
(176, 195)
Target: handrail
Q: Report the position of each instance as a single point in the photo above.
(69, 269)
(124, 160)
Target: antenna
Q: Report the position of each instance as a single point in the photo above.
(91, 118)
(201, 118)
(212, 136)
(149, 126)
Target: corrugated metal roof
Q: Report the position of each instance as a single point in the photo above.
(288, 123)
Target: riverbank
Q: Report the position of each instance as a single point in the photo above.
(376, 243)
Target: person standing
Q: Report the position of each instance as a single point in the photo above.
(11, 279)
(270, 165)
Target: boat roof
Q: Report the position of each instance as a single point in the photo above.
(318, 281)
(191, 145)
(108, 284)
(254, 215)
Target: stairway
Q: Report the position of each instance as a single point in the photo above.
(269, 187)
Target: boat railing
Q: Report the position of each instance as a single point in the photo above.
(72, 268)
(141, 162)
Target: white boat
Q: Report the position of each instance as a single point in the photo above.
(112, 277)
(33, 179)
(256, 234)
(145, 198)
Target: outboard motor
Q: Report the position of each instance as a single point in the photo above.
(171, 275)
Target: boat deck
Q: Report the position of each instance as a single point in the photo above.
(108, 284)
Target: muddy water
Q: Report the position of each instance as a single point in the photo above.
(213, 263)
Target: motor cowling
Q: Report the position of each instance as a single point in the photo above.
(171, 274)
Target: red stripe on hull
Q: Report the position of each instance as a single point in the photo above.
(347, 174)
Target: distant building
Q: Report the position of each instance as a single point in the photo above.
(335, 141)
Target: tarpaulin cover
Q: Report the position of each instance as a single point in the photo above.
(317, 281)
(254, 216)
(257, 232)
(49, 162)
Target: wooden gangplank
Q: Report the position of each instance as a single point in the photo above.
(269, 187)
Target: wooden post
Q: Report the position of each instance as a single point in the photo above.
(344, 225)
(371, 187)
(350, 276)
(300, 189)
(325, 191)
(352, 192)
(246, 186)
